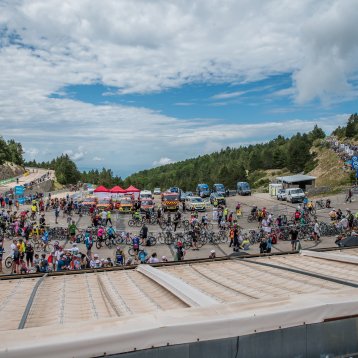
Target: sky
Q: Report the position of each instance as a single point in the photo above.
(132, 84)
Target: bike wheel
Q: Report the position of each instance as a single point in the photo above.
(250, 218)
(131, 222)
(131, 251)
(153, 240)
(8, 262)
(37, 246)
(109, 243)
(49, 248)
(98, 244)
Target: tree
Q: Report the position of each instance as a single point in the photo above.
(352, 126)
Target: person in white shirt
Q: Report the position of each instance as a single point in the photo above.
(265, 226)
(316, 231)
(13, 246)
(104, 217)
(95, 262)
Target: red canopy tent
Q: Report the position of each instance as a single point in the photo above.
(101, 189)
(117, 190)
(132, 189)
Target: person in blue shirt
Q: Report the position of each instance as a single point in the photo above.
(61, 264)
(111, 232)
(142, 256)
(135, 244)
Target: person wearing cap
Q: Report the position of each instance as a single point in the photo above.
(212, 254)
(120, 257)
(164, 259)
(333, 214)
(93, 261)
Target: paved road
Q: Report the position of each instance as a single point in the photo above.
(26, 179)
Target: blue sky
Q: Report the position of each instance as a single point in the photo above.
(131, 85)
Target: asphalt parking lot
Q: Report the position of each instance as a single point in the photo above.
(120, 222)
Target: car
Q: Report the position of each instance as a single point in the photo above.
(157, 191)
(243, 188)
(281, 194)
(220, 189)
(220, 198)
(185, 195)
(195, 203)
(295, 195)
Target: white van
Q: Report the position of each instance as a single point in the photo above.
(295, 195)
(146, 194)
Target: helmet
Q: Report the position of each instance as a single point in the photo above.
(212, 251)
(180, 244)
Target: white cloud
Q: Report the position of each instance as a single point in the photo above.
(77, 155)
(162, 161)
(228, 95)
(97, 159)
(140, 47)
(31, 153)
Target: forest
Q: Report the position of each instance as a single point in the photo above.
(234, 164)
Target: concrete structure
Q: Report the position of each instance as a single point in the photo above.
(299, 181)
(272, 306)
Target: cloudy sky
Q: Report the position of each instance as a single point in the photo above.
(130, 84)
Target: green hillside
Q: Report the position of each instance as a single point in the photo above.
(233, 164)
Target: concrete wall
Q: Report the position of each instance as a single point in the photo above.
(329, 339)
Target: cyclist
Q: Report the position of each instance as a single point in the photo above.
(111, 232)
(72, 229)
(120, 257)
(45, 240)
(254, 211)
(88, 242)
(144, 234)
(137, 216)
(310, 206)
(238, 209)
(33, 210)
(135, 244)
(100, 234)
(333, 214)
(180, 253)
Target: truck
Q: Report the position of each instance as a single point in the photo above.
(170, 201)
(203, 190)
(243, 188)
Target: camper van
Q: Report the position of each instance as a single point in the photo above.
(243, 188)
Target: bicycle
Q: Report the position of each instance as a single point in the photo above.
(135, 222)
(41, 246)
